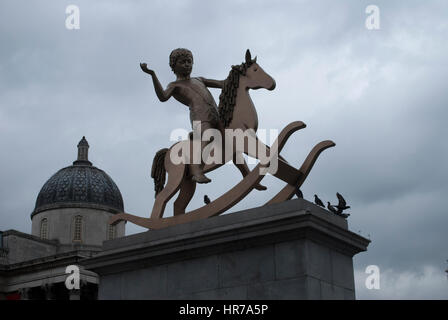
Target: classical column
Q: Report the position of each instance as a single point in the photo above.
(24, 293)
(75, 294)
(49, 291)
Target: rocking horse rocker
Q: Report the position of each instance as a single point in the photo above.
(236, 112)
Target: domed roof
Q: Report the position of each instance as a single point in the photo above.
(80, 186)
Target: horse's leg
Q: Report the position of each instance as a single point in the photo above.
(288, 191)
(176, 173)
(282, 170)
(187, 189)
(241, 164)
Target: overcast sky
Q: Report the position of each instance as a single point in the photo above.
(379, 94)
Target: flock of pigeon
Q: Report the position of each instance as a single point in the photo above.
(338, 210)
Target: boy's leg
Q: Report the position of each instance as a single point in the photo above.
(197, 169)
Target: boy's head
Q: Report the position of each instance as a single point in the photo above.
(180, 55)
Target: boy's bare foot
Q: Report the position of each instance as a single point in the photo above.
(260, 187)
(200, 178)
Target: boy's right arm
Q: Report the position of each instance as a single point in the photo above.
(163, 95)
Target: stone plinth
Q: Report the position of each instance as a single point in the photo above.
(290, 250)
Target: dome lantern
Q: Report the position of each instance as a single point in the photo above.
(83, 153)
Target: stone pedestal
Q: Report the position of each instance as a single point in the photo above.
(290, 250)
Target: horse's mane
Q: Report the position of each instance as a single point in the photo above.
(227, 97)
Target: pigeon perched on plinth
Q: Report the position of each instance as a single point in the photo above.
(206, 199)
(331, 208)
(343, 215)
(342, 205)
(318, 201)
(336, 211)
(299, 193)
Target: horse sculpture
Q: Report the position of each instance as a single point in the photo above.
(237, 112)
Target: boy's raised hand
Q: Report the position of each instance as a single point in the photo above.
(144, 67)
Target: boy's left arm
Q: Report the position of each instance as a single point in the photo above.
(212, 83)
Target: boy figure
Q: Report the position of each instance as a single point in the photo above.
(193, 93)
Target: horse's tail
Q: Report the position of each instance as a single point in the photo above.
(158, 171)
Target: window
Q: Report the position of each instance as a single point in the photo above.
(111, 233)
(78, 229)
(44, 228)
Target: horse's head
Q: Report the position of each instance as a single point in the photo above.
(256, 77)
(248, 75)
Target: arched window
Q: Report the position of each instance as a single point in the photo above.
(44, 228)
(111, 232)
(77, 234)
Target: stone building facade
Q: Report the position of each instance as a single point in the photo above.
(69, 223)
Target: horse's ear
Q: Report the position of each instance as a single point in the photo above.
(255, 60)
(248, 56)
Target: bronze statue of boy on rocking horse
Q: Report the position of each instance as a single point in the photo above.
(236, 115)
